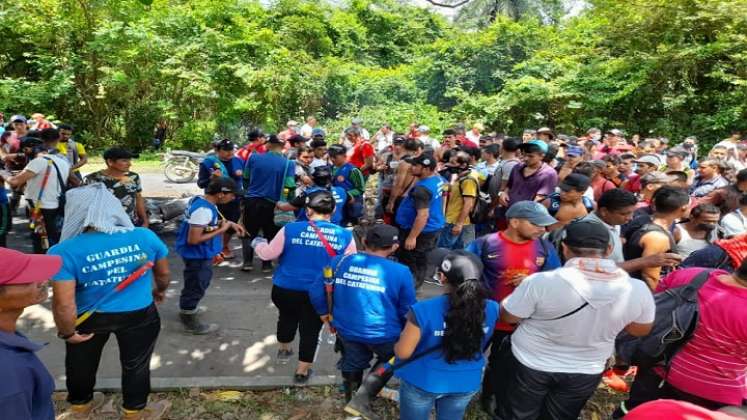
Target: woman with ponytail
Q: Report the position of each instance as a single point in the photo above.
(445, 336)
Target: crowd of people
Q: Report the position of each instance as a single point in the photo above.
(548, 247)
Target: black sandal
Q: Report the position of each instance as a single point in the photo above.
(300, 379)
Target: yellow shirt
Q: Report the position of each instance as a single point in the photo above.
(462, 187)
(62, 148)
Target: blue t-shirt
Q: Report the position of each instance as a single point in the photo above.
(97, 262)
(3, 193)
(431, 372)
(228, 169)
(27, 387)
(372, 296)
(204, 214)
(266, 174)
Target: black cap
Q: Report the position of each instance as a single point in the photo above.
(115, 153)
(336, 149)
(297, 138)
(322, 175)
(585, 233)
(321, 202)
(274, 139)
(318, 142)
(255, 134)
(222, 185)
(399, 139)
(574, 181)
(225, 144)
(424, 159)
(382, 236)
(457, 266)
(30, 141)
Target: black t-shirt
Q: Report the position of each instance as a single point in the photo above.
(421, 197)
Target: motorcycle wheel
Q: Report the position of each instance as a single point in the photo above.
(179, 173)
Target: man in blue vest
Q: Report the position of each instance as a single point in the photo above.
(224, 164)
(266, 176)
(350, 178)
(383, 287)
(421, 216)
(322, 182)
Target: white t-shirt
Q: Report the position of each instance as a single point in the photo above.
(201, 217)
(50, 195)
(582, 342)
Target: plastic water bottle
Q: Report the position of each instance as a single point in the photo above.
(330, 336)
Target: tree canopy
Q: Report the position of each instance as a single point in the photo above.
(114, 68)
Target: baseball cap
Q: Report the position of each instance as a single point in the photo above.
(20, 268)
(115, 153)
(650, 159)
(574, 181)
(615, 132)
(678, 152)
(30, 141)
(222, 185)
(574, 151)
(297, 138)
(585, 233)
(457, 265)
(336, 149)
(291, 123)
(318, 132)
(424, 129)
(657, 178)
(18, 118)
(534, 145)
(382, 236)
(546, 130)
(399, 139)
(424, 159)
(274, 139)
(225, 144)
(535, 212)
(255, 134)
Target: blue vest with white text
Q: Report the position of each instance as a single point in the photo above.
(432, 373)
(407, 212)
(304, 255)
(205, 250)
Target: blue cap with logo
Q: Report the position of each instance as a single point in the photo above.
(534, 146)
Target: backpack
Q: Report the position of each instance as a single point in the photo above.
(481, 208)
(675, 321)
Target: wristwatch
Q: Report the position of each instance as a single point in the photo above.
(65, 336)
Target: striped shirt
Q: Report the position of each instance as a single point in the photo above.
(713, 363)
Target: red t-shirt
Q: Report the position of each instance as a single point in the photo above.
(634, 183)
(250, 148)
(600, 185)
(361, 152)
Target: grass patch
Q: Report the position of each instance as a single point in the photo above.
(308, 403)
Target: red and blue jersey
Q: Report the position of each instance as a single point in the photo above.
(503, 260)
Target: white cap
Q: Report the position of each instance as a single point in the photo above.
(424, 129)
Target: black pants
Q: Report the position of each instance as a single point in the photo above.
(53, 225)
(197, 276)
(648, 386)
(533, 394)
(417, 258)
(136, 334)
(6, 222)
(497, 371)
(259, 214)
(297, 313)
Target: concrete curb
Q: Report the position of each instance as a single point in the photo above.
(218, 382)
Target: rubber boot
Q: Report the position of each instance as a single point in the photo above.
(192, 324)
(351, 381)
(373, 383)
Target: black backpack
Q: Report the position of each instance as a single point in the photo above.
(479, 212)
(675, 321)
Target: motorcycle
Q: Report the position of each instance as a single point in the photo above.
(181, 166)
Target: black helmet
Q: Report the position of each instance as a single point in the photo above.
(321, 202)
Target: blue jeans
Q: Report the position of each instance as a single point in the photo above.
(416, 404)
(356, 356)
(447, 240)
(197, 276)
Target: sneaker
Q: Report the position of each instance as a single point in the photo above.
(247, 266)
(284, 356)
(153, 411)
(266, 266)
(83, 411)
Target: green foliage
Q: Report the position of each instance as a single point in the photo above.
(114, 68)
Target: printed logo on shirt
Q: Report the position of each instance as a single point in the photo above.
(361, 278)
(112, 264)
(309, 237)
(540, 261)
(340, 178)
